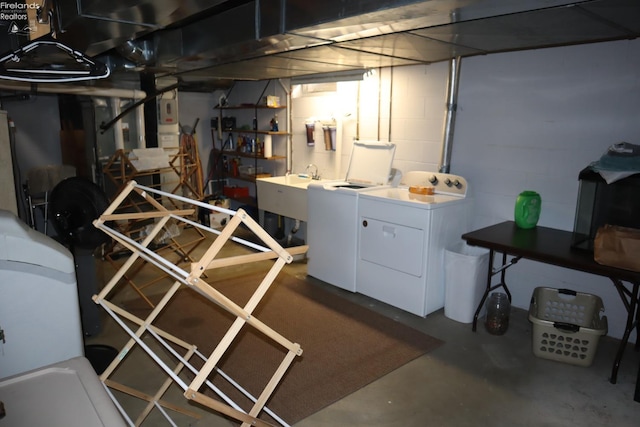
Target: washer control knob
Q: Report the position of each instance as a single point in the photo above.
(433, 179)
(456, 183)
(447, 181)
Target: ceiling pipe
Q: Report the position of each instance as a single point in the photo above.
(450, 116)
(379, 103)
(390, 112)
(105, 126)
(73, 90)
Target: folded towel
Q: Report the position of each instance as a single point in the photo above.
(624, 149)
(620, 163)
(609, 175)
(621, 156)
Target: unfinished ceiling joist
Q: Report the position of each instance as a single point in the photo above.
(193, 280)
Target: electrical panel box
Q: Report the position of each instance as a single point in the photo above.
(168, 112)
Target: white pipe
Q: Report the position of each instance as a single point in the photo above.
(74, 90)
(293, 231)
(142, 136)
(117, 126)
(390, 111)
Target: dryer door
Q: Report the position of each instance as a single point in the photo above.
(392, 245)
(393, 236)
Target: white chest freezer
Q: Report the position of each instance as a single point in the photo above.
(39, 309)
(65, 394)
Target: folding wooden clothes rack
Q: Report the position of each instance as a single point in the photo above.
(183, 163)
(193, 280)
(182, 176)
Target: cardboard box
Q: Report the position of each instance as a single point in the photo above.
(273, 101)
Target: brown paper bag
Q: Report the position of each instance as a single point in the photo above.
(617, 246)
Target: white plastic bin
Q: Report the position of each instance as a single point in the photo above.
(466, 269)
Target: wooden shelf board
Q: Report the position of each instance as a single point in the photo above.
(258, 132)
(249, 107)
(249, 155)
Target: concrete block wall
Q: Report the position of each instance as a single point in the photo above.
(404, 105)
(532, 120)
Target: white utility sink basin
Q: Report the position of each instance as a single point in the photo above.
(295, 180)
(284, 195)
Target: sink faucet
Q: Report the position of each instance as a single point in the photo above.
(313, 175)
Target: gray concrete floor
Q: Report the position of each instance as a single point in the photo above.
(473, 379)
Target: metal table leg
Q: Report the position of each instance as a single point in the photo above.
(630, 300)
(636, 397)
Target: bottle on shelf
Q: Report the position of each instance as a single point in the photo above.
(235, 169)
(230, 142)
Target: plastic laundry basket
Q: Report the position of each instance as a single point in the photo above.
(567, 325)
(466, 269)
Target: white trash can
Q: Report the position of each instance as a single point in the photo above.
(466, 269)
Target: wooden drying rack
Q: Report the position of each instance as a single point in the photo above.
(184, 175)
(183, 161)
(193, 280)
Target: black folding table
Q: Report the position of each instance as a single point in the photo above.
(552, 246)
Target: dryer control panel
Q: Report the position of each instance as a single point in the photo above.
(436, 182)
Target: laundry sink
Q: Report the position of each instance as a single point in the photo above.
(294, 180)
(284, 195)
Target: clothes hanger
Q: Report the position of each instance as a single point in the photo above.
(46, 60)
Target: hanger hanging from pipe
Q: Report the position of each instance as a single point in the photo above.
(46, 60)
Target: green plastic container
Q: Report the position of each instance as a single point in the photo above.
(527, 211)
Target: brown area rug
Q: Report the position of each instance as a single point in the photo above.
(345, 346)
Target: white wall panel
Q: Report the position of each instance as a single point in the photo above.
(533, 120)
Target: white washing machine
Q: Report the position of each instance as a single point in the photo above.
(403, 236)
(333, 213)
(39, 308)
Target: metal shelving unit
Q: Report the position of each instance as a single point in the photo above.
(257, 155)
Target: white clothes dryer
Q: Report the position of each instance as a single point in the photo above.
(403, 235)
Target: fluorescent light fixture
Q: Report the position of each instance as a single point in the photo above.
(338, 76)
